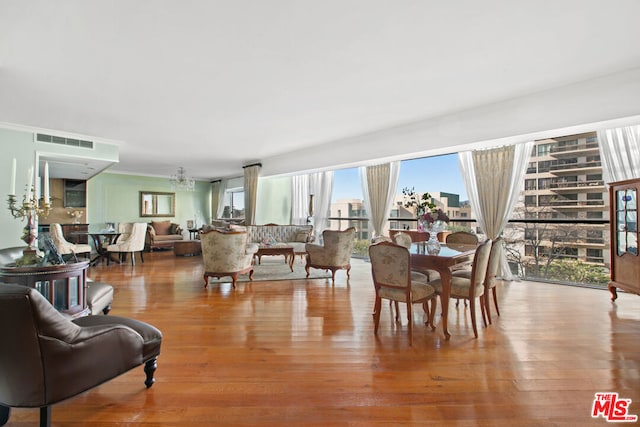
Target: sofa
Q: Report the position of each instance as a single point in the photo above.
(271, 235)
(162, 235)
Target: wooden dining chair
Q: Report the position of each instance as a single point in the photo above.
(461, 238)
(472, 287)
(491, 278)
(391, 273)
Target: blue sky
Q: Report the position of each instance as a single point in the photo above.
(430, 174)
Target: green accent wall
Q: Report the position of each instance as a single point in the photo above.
(115, 198)
(273, 202)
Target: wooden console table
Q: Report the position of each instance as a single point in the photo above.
(63, 285)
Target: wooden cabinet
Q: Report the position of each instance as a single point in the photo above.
(625, 263)
(75, 193)
(63, 285)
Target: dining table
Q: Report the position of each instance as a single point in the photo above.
(101, 239)
(448, 258)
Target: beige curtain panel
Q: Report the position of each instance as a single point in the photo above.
(251, 174)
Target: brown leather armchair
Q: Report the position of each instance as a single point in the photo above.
(46, 358)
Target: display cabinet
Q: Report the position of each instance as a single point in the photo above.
(63, 285)
(625, 263)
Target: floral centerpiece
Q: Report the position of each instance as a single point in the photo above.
(429, 217)
(436, 218)
(75, 214)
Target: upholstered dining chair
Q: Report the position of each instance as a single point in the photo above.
(461, 238)
(65, 247)
(46, 358)
(227, 253)
(472, 287)
(134, 244)
(490, 280)
(391, 272)
(334, 255)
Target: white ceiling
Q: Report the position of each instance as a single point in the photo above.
(212, 85)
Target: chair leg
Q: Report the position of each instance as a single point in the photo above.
(495, 300)
(45, 416)
(410, 317)
(483, 305)
(472, 305)
(432, 312)
(397, 310)
(133, 258)
(5, 412)
(141, 257)
(149, 369)
(376, 314)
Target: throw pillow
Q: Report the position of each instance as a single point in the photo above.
(174, 229)
(161, 227)
(301, 236)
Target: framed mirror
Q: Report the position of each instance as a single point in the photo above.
(153, 203)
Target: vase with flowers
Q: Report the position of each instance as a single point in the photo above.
(436, 222)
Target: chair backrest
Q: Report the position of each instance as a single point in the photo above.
(480, 263)
(28, 324)
(462, 238)
(125, 229)
(390, 265)
(340, 242)
(495, 258)
(222, 250)
(135, 242)
(62, 245)
(402, 239)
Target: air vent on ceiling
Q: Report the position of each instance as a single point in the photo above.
(61, 140)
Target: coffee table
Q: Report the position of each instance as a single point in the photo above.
(287, 251)
(187, 248)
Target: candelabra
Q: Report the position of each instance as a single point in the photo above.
(29, 209)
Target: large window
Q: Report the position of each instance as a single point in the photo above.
(234, 204)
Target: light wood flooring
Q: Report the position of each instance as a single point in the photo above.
(303, 353)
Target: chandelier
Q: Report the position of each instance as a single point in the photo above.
(180, 181)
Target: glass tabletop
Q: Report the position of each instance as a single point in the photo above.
(445, 251)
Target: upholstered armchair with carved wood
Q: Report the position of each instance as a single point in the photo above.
(227, 253)
(334, 254)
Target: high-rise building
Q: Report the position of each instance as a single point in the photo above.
(564, 181)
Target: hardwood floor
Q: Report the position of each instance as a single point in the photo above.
(303, 353)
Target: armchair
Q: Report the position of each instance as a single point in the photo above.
(334, 255)
(65, 247)
(227, 253)
(134, 243)
(46, 358)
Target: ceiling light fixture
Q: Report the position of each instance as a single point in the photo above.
(180, 181)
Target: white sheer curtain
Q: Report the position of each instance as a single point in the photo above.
(251, 174)
(379, 184)
(321, 186)
(494, 179)
(299, 199)
(218, 190)
(620, 153)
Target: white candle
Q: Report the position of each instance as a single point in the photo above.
(13, 178)
(46, 182)
(29, 182)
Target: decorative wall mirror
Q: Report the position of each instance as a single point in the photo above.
(153, 203)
